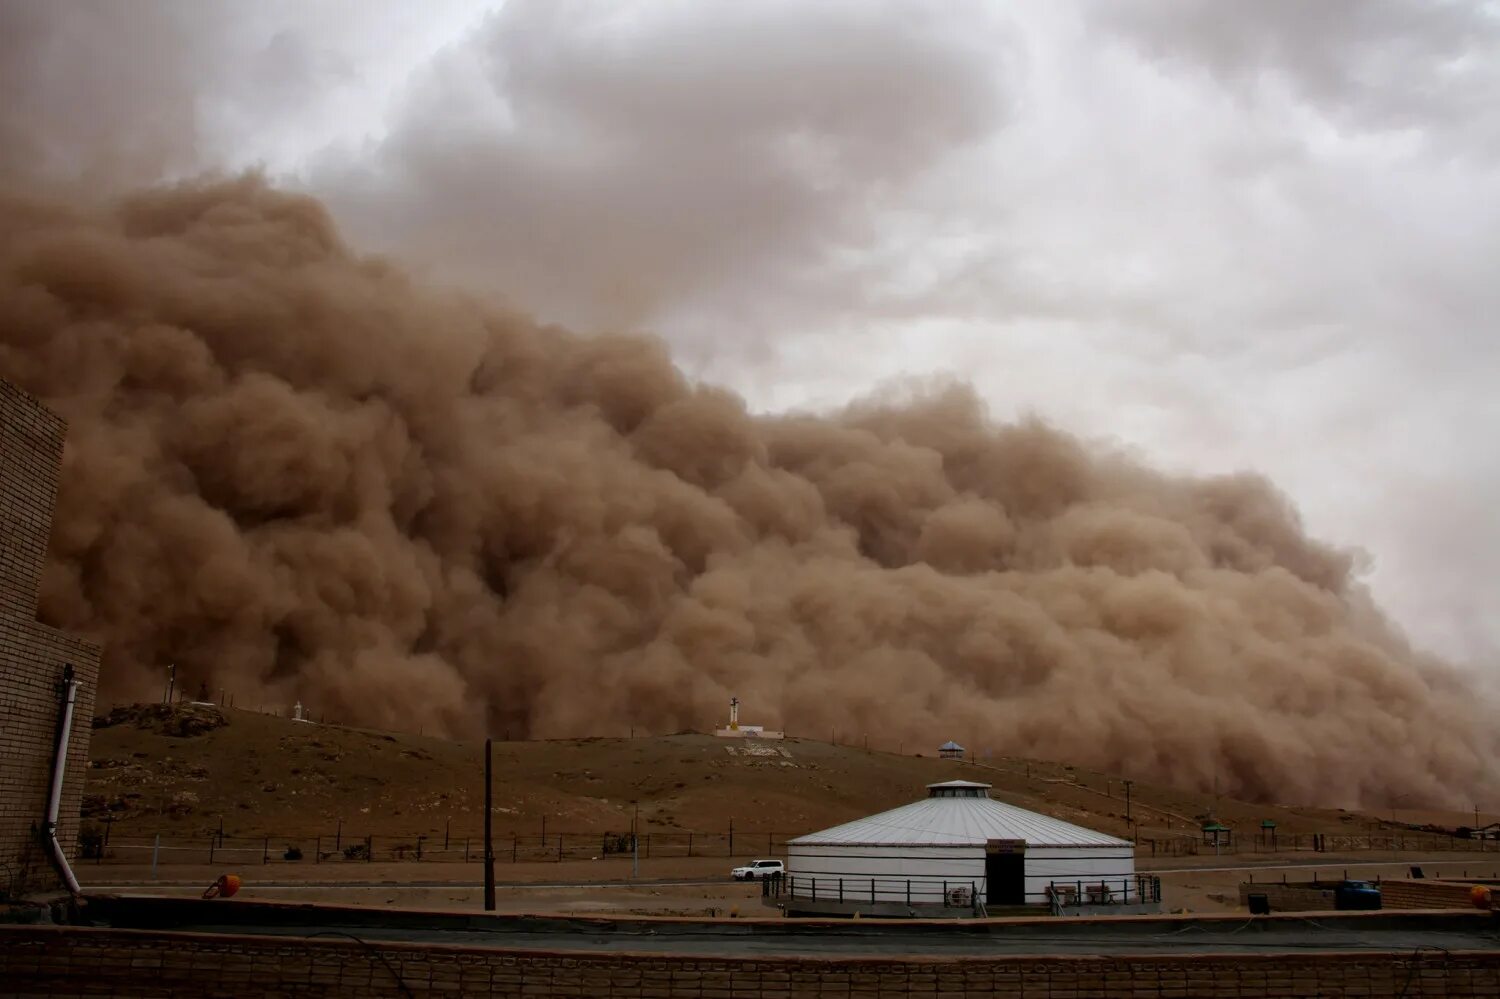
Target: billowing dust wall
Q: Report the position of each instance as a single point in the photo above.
(32, 656)
(300, 475)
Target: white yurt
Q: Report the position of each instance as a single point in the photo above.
(957, 849)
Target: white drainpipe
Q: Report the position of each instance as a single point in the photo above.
(59, 767)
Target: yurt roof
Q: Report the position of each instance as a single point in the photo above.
(946, 820)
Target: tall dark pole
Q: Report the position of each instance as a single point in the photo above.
(489, 842)
(1127, 799)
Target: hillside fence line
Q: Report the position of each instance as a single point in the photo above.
(442, 847)
(99, 847)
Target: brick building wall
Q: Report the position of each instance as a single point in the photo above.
(32, 656)
(75, 961)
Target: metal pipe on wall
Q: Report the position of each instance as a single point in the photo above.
(59, 769)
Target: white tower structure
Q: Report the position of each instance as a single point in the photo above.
(738, 731)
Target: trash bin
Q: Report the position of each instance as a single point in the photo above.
(1260, 904)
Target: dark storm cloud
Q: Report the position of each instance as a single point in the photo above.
(299, 471)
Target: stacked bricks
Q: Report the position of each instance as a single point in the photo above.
(77, 961)
(1306, 897)
(1427, 894)
(32, 656)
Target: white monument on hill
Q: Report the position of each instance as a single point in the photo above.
(738, 731)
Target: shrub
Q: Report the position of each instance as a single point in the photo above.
(292, 853)
(90, 841)
(356, 851)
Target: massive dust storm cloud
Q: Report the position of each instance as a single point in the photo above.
(297, 474)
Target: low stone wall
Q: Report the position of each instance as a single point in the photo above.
(72, 961)
(1402, 894)
(1304, 897)
(1407, 894)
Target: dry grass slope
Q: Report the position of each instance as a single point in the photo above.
(179, 771)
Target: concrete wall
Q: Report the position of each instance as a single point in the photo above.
(65, 961)
(32, 656)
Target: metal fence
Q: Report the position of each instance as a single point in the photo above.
(932, 893)
(1393, 842)
(1127, 890)
(100, 846)
(444, 847)
(913, 892)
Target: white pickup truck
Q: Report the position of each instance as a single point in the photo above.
(758, 869)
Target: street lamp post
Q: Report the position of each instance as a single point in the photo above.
(489, 843)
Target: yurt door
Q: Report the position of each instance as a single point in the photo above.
(1005, 872)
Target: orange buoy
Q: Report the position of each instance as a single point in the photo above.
(1480, 896)
(224, 887)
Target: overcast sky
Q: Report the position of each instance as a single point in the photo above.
(1257, 235)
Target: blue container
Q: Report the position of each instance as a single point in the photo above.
(1352, 895)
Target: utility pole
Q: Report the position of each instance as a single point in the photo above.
(489, 842)
(635, 844)
(166, 697)
(1127, 799)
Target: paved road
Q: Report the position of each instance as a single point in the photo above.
(1290, 865)
(1246, 938)
(1393, 932)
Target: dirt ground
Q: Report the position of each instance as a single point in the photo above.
(1191, 884)
(570, 887)
(727, 899)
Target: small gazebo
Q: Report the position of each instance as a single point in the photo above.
(1218, 834)
(950, 750)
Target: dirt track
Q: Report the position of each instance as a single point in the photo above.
(1197, 884)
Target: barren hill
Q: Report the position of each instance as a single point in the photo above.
(180, 770)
